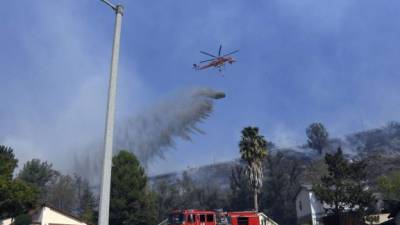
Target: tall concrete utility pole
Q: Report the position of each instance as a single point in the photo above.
(104, 209)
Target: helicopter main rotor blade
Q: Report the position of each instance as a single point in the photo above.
(206, 60)
(230, 53)
(219, 51)
(205, 53)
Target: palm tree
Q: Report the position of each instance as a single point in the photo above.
(253, 150)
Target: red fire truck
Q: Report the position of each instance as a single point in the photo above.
(218, 217)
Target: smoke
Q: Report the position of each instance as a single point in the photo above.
(154, 131)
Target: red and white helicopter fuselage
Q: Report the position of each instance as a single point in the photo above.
(216, 62)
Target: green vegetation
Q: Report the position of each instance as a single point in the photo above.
(87, 204)
(345, 186)
(8, 163)
(389, 185)
(16, 197)
(240, 195)
(284, 171)
(136, 200)
(317, 137)
(23, 219)
(185, 193)
(38, 183)
(253, 150)
(281, 183)
(38, 174)
(131, 202)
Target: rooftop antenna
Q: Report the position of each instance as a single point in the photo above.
(104, 206)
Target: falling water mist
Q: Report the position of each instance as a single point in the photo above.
(152, 132)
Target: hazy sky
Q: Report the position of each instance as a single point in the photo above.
(336, 62)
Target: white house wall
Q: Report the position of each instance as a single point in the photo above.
(304, 198)
(50, 216)
(265, 220)
(6, 222)
(316, 208)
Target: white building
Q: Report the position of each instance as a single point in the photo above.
(309, 209)
(265, 220)
(48, 215)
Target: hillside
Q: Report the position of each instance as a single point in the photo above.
(379, 146)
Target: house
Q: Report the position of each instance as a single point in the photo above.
(49, 215)
(309, 209)
(380, 218)
(265, 220)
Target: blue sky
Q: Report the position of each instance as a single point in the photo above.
(336, 62)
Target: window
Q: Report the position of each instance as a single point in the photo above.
(202, 218)
(221, 219)
(191, 218)
(243, 221)
(300, 206)
(175, 219)
(210, 218)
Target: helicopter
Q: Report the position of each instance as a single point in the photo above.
(216, 61)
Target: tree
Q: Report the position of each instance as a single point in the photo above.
(16, 197)
(389, 185)
(68, 193)
(210, 196)
(240, 196)
(23, 219)
(39, 174)
(167, 198)
(345, 185)
(282, 181)
(314, 170)
(8, 162)
(187, 191)
(317, 136)
(87, 204)
(253, 150)
(131, 202)
(61, 193)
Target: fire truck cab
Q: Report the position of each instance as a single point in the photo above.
(192, 217)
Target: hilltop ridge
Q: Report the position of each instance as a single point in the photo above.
(380, 147)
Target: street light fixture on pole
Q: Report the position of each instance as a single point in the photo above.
(104, 207)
